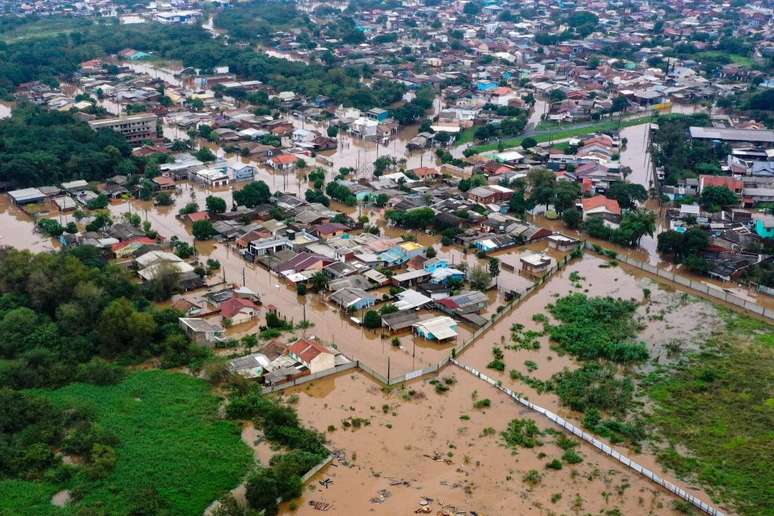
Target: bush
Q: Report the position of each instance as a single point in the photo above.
(554, 464)
(594, 328)
(593, 386)
(522, 432)
(482, 404)
(99, 372)
(572, 457)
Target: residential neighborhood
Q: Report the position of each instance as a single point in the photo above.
(285, 257)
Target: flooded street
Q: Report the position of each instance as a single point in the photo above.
(636, 155)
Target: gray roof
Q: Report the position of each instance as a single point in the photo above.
(400, 320)
(736, 135)
(26, 195)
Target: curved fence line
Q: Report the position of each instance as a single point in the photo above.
(591, 439)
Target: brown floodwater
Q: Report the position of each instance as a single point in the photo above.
(395, 452)
(433, 448)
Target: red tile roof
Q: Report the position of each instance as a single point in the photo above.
(599, 201)
(307, 350)
(198, 215)
(732, 184)
(142, 240)
(233, 306)
(283, 159)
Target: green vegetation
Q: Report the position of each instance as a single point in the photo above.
(522, 433)
(685, 247)
(635, 224)
(594, 386)
(718, 406)
(678, 154)
(70, 150)
(30, 27)
(596, 328)
(569, 132)
(167, 436)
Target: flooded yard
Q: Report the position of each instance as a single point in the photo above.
(402, 448)
(409, 445)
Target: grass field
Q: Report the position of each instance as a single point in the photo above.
(719, 408)
(43, 28)
(170, 438)
(735, 58)
(567, 132)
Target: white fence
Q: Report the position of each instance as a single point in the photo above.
(589, 438)
(699, 286)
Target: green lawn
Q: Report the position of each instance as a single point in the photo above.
(466, 136)
(567, 132)
(170, 438)
(720, 408)
(735, 58)
(43, 28)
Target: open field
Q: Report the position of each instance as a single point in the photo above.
(42, 28)
(735, 58)
(170, 438)
(716, 412)
(567, 132)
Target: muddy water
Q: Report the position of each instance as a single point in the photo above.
(17, 228)
(427, 448)
(673, 324)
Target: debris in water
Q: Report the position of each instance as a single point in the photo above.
(320, 506)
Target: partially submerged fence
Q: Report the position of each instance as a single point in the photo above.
(309, 378)
(510, 305)
(589, 438)
(682, 281)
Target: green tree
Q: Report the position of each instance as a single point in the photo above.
(528, 142)
(319, 281)
(203, 230)
(716, 198)
(572, 218)
(480, 278)
(494, 267)
(204, 154)
(122, 329)
(50, 227)
(253, 194)
(215, 204)
(262, 491)
(627, 193)
(189, 208)
(372, 320)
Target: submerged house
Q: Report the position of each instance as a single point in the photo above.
(437, 328)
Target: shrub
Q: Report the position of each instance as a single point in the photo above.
(99, 372)
(482, 404)
(593, 386)
(532, 477)
(572, 457)
(521, 432)
(554, 464)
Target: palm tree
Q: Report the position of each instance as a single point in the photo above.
(638, 223)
